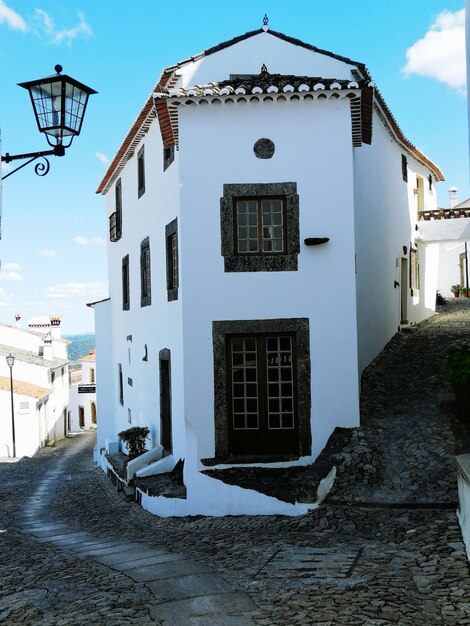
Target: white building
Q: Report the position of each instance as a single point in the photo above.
(40, 385)
(82, 403)
(453, 262)
(264, 247)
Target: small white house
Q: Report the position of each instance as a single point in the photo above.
(40, 385)
(82, 403)
(263, 248)
(453, 248)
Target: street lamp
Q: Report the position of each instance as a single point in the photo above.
(59, 104)
(10, 362)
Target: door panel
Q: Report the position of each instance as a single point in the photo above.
(262, 395)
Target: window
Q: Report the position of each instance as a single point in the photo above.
(414, 271)
(140, 172)
(172, 277)
(430, 182)
(92, 375)
(125, 283)
(260, 227)
(145, 279)
(404, 168)
(115, 219)
(121, 385)
(168, 157)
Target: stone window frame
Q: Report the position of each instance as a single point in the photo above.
(126, 299)
(145, 276)
(141, 172)
(172, 281)
(261, 262)
(300, 327)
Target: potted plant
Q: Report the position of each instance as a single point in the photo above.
(135, 438)
(457, 372)
(455, 290)
(464, 292)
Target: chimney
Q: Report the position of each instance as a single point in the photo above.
(453, 197)
(55, 326)
(48, 350)
(18, 320)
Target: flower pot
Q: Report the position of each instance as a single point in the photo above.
(456, 294)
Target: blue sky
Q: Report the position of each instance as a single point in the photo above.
(53, 248)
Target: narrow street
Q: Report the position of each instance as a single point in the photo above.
(385, 547)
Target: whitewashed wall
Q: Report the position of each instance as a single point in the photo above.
(159, 325)
(386, 214)
(247, 57)
(314, 149)
(29, 425)
(449, 266)
(106, 391)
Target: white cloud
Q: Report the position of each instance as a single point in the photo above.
(102, 158)
(11, 18)
(47, 253)
(11, 267)
(57, 35)
(67, 291)
(440, 54)
(4, 275)
(91, 241)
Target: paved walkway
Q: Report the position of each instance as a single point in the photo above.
(73, 552)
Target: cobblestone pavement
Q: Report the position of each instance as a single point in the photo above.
(340, 564)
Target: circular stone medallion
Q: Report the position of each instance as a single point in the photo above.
(264, 148)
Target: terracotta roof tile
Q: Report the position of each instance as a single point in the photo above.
(23, 388)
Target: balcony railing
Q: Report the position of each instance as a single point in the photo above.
(443, 214)
(114, 226)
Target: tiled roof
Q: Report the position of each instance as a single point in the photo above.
(22, 388)
(265, 86)
(160, 109)
(89, 357)
(76, 376)
(31, 357)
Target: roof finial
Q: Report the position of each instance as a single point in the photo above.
(264, 71)
(265, 25)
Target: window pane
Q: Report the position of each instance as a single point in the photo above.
(252, 220)
(242, 221)
(252, 206)
(250, 344)
(238, 406)
(253, 245)
(241, 207)
(274, 420)
(252, 421)
(238, 422)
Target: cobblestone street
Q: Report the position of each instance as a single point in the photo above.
(385, 547)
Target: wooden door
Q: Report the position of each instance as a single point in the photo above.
(262, 395)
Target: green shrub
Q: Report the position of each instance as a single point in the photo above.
(440, 298)
(135, 438)
(457, 365)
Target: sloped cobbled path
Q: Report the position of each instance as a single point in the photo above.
(339, 564)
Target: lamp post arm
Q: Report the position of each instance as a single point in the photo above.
(41, 169)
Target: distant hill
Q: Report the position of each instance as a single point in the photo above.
(80, 346)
